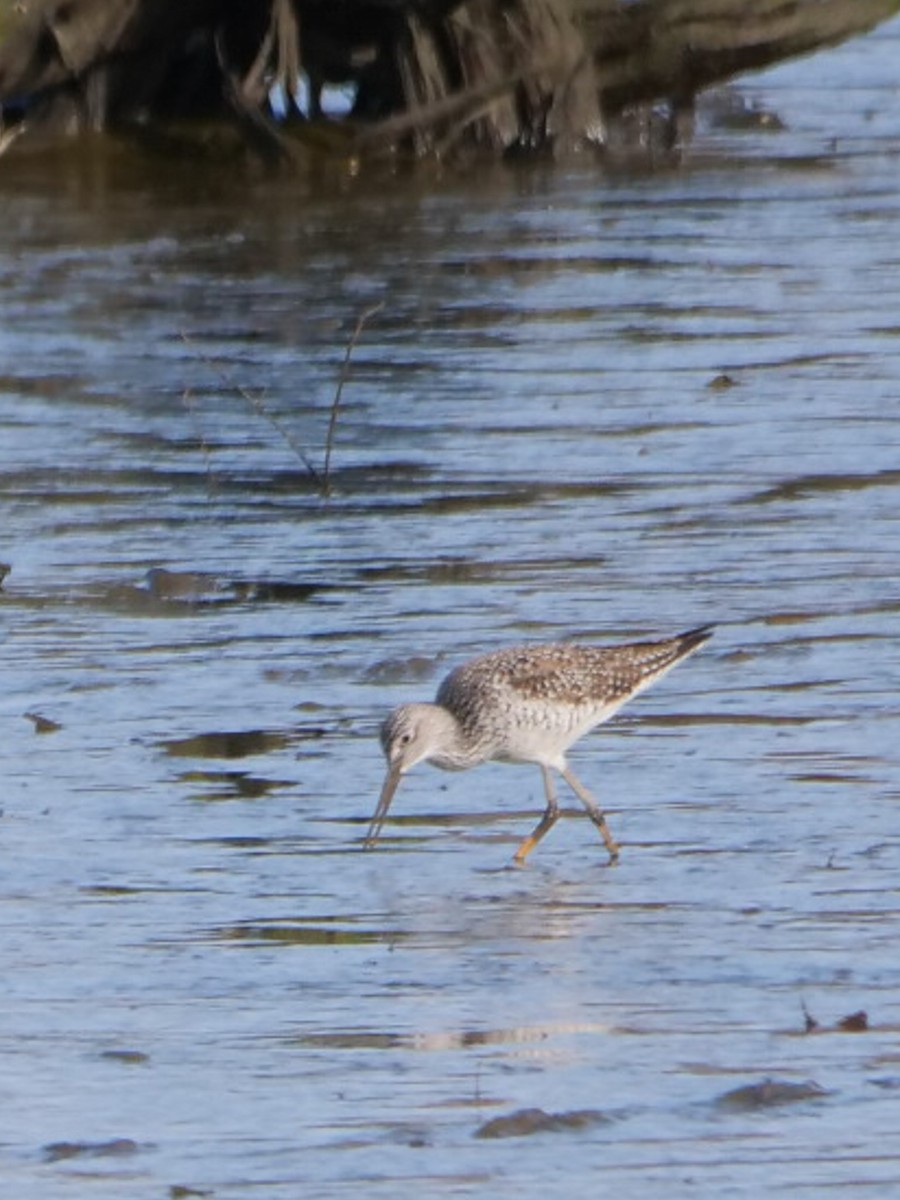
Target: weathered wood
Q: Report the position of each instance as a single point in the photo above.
(431, 73)
(670, 48)
(50, 43)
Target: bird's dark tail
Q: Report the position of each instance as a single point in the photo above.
(695, 637)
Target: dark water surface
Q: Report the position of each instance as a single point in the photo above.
(206, 985)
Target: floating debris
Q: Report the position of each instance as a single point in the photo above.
(242, 743)
(115, 1148)
(413, 669)
(187, 587)
(729, 110)
(293, 933)
(526, 1121)
(131, 1058)
(721, 383)
(770, 1093)
(855, 1022)
(198, 588)
(42, 724)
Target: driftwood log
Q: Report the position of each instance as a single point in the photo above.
(428, 75)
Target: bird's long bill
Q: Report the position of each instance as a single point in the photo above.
(384, 803)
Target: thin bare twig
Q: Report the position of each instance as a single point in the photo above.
(260, 132)
(336, 403)
(8, 134)
(187, 399)
(256, 403)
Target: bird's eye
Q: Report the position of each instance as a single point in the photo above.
(405, 738)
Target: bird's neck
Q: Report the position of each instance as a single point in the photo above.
(452, 751)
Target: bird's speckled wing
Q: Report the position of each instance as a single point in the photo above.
(531, 703)
(564, 673)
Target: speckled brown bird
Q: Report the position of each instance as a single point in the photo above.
(526, 704)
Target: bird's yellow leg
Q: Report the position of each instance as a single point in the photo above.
(546, 823)
(593, 811)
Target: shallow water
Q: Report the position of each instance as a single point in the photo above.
(590, 407)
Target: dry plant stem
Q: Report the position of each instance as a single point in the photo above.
(257, 405)
(336, 403)
(277, 62)
(253, 84)
(259, 130)
(9, 135)
(187, 397)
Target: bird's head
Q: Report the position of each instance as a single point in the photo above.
(411, 734)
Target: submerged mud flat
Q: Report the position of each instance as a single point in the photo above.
(208, 986)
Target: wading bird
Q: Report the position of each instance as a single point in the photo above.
(527, 704)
